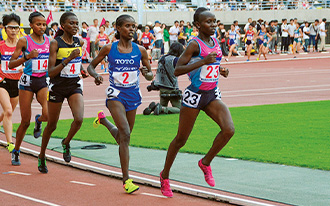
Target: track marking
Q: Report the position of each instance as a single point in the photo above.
(17, 173)
(143, 180)
(28, 198)
(153, 195)
(82, 183)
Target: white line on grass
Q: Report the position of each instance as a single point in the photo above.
(27, 198)
(82, 183)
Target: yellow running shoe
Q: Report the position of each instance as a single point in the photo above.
(130, 187)
(10, 147)
(100, 115)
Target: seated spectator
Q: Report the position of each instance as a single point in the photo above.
(167, 83)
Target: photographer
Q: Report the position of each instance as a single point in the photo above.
(167, 84)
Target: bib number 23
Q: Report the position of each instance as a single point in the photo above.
(191, 98)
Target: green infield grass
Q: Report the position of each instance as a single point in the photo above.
(295, 134)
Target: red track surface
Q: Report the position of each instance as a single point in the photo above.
(56, 187)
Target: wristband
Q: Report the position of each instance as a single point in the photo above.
(64, 64)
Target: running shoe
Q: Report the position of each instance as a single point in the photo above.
(165, 186)
(100, 115)
(207, 173)
(248, 60)
(15, 158)
(257, 59)
(42, 166)
(66, 151)
(10, 147)
(130, 187)
(158, 109)
(37, 128)
(149, 109)
(102, 67)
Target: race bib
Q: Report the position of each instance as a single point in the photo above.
(25, 80)
(145, 40)
(217, 93)
(6, 70)
(111, 92)
(4, 65)
(39, 65)
(232, 36)
(72, 69)
(191, 98)
(248, 37)
(296, 35)
(125, 79)
(210, 73)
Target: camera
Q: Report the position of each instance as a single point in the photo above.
(152, 86)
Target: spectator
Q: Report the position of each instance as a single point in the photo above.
(174, 31)
(285, 36)
(313, 29)
(107, 28)
(291, 28)
(246, 27)
(93, 31)
(139, 33)
(151, 28)
(166, 36)
(239, 30)
(1, 27)
(323, 34)
(167, 84)
(277, 30)
(84, 30)
(273, 34)
(182, 36)
(158, 31)
(222, 39)
(306, 33)
(53, 29)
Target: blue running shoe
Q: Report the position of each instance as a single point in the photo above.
(37, 128)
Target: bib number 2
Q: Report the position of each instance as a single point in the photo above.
(111, 92)
(191, 98)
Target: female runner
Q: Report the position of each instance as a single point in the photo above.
(64, 68)
(123, 94)
(201, 61)
(264, 39)
(33, 80)
(250, 36)
(232, 34)
(9, 77)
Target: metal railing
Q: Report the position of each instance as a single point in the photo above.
(131, 5)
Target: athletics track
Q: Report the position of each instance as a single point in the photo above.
(270, 82)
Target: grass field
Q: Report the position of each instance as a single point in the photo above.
(292, 134)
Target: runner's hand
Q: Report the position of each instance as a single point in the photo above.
(224, 72)
(74, 54)
(211, 58)
(98, 80)
(33, 54)
(144, 70)
(84, 73)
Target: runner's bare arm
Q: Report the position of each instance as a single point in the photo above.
(14, 61)
(146, 69)
(91, 67)
(193, 48)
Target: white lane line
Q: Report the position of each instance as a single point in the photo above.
(28, 198)
(155, 183)
(82, 183)
(17, 173)
(271, 93)
(153, 195)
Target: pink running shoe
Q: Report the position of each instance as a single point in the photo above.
(165, 186)
(100, 115)
(207, 173)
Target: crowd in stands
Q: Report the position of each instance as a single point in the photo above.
(164, 5)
